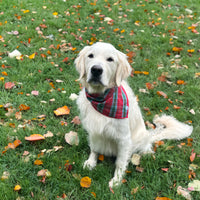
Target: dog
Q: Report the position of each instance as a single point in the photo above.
(109, 111)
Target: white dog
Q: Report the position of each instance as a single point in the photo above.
(110, 113)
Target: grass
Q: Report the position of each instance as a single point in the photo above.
(149, 28)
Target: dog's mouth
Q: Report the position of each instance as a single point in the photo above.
(96, 81)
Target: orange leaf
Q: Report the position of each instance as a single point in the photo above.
(116, 29)
(162, 198)
(62, 111)
(85, 182)
(177, 49)
(23, 107)
(189, 140)
(101, 157)
(176, 107)
(38, 162)
(35, 137)
(93, 194)
(192, 156)
(160, 93)
(65, 60)
(181, 82)
(17, 143)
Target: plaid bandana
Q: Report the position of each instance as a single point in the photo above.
(113, 103)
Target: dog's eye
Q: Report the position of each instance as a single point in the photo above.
(91, 55)
(110, 59)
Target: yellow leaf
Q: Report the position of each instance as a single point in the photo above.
(17, 188)
(26, 11)
(55, 13)
(32, 56)
(163, 198)
(85, 182)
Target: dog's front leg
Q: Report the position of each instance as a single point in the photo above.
(123, 156)
(92, 161)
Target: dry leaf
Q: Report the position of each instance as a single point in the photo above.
(48, 134)
(72, 138)
(5, 175)
(85, 182)
(135, 159)
(192, 156)
(23, 107)
(62, 111)
(194, 185)
(9, 85)
(76, 120)
(35, 137)
(160, 93)
(15, 53)
(18, 115)
(184, 192)
(38, 162)
(73, 96)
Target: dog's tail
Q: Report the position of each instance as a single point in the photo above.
(167, 127)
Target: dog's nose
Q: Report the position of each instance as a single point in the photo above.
(96, 70)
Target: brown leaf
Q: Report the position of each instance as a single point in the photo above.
(76, 120)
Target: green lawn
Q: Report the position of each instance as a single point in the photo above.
(162, 41)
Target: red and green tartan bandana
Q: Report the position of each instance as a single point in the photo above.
(113, 103)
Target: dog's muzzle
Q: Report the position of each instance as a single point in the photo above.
(96, 72)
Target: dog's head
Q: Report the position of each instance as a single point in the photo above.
(101, 66)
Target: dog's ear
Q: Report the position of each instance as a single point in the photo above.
(79, 62)
(124, 69)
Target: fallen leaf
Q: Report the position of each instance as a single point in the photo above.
(65, 60)
(17, 188)
(62, 111)
(165, 169)
(35, 137)
(76, 121)
(14, 53)
(162, 198)
(35, 93)
(23, 107)
(48, 134)
(177, 49)
(73, 96)
(195, 185)
(184, 192)
(181, 82)
(192, 156)
(135, 159)
(72, 138)
(101, 157)
(18, 115)
(5, 175)
(139, 169)
(160, 93)
(32, 56)
(44, 172)
(85, 182)
(9, 85)
(38, 162)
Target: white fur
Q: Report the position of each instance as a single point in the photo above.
(118, 137)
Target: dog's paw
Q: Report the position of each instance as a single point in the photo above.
(90, 164)
(114, 183)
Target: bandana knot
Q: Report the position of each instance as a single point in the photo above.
(113, 103)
